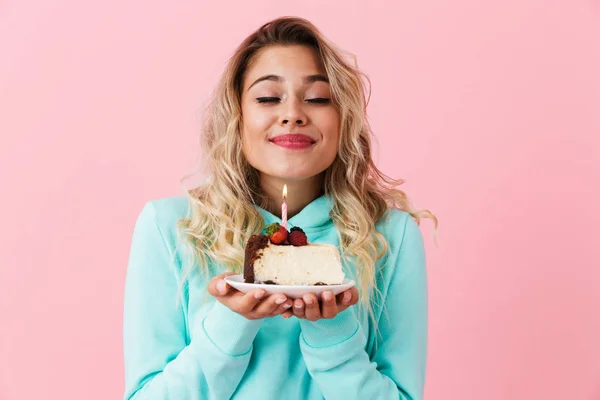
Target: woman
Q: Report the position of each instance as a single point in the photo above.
(289, 110)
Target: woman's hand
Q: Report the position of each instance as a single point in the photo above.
(330, 306)
(252, 305)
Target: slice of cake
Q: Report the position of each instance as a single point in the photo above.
(288, 259)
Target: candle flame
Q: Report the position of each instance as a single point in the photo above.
(284, 191)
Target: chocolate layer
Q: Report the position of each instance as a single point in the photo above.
(255, 243)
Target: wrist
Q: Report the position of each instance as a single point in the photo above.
(231, 332)
(329, 332)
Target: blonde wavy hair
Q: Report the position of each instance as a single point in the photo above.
(222, 215)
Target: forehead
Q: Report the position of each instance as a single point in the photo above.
(289, 62)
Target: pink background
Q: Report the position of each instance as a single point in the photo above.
(490, 110)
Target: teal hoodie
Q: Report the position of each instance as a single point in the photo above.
(182, 344)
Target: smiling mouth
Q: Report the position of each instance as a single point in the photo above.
(293, 141)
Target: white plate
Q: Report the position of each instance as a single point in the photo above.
(292, 291)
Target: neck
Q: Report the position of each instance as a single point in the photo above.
(300, 193)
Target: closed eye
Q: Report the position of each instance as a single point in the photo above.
(268, 99)
(319, 100)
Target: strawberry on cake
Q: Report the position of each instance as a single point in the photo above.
(286, 258)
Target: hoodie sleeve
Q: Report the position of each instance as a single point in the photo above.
(334, 350)
(160, 360)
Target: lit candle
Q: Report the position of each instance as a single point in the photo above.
(284, 208)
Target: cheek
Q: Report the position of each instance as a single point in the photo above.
(254, 130)
(257, 122)
(329, 125)
(329, 122)
(251, 127)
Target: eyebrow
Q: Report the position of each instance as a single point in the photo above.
(306, 80)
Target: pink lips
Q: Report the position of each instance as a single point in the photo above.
(293, 141)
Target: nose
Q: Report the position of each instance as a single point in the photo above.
(292, 114)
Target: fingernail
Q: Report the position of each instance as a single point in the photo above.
(327, 296)
(298, 305)
(347, 297)
(286, 306)
(280, 300)
(308, 300)
(259, 294)
(221, 286)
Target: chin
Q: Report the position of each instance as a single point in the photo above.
(294, 174)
